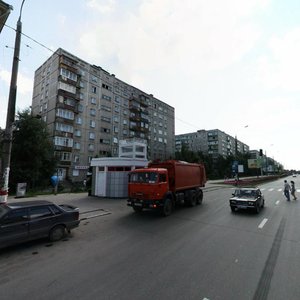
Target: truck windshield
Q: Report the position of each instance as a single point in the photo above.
(143, 177)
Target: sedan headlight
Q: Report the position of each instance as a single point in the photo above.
(250, 203)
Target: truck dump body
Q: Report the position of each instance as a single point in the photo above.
(182, 175)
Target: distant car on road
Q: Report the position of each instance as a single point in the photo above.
(247, 198)
(294, 175)
(24, 221)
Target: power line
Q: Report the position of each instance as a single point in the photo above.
(54, 52)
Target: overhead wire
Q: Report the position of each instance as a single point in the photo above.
(54, 52)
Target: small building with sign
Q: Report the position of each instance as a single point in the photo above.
(110, 174)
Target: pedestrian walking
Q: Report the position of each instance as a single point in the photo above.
(286, 190)
(293, 190)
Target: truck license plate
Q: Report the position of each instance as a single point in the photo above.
(137, 204)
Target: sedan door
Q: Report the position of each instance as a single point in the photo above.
(41, 221)
(14, 227)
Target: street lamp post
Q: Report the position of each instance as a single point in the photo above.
(10, 117)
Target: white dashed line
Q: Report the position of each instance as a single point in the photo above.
(270, 190)
(262, 224)
(279, 190)
(277, 202)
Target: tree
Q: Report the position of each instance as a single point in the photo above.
(32, 159)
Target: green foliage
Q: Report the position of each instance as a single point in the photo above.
(216, 166)
(32, 159)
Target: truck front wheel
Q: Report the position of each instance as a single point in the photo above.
(137, 209)
(167, 208)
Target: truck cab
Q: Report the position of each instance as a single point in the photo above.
(147, 188)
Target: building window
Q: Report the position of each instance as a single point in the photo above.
(105, 107)
(93, 112)
(94, 89)
(91, 147)
(62, 141)
(92, 135)
(64, 113)
(75, 173)
(68, 74)
(105, 119)
(93, 100)
(92, 124)
(105, 97)
(105, 141)
(64, 127)
(78, 120)
(105, 130)
(107, 87)
(77, 145)
(76, 159)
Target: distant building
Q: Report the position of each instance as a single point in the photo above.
(213, 142)
(88, 111)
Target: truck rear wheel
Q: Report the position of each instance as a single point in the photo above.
(167, 208)
(199, 197)
(191, 198)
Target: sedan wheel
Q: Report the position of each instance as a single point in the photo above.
(57, 233)
(257, 208)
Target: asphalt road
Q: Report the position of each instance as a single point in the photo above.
(204, 252)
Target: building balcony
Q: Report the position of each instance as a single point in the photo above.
(68, 63)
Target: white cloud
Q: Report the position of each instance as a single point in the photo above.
(281, 68)
(191, 37)
(103, 6)
(24, 83)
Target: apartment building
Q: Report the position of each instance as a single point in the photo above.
(214, 142)
(88, 111)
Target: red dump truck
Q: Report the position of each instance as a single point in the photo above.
(164, 184)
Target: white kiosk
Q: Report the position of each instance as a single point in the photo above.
(110, 174)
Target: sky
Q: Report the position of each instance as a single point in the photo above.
(231, 65)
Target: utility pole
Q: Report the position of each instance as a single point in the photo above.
(10, 117)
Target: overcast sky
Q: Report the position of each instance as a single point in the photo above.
(231, 65)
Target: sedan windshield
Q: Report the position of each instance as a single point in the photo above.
(143, 177)
(245, 193)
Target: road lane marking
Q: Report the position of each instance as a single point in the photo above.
(277, 202)
(262, 224)
(263, 287)
(279, 190)
(298, 190)
(270, 190)
(262, 189)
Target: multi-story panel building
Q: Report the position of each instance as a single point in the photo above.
(213, 142)
(88, 111)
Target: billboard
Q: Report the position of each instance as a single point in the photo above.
(254, 163)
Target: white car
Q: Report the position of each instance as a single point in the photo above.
(247, 198)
